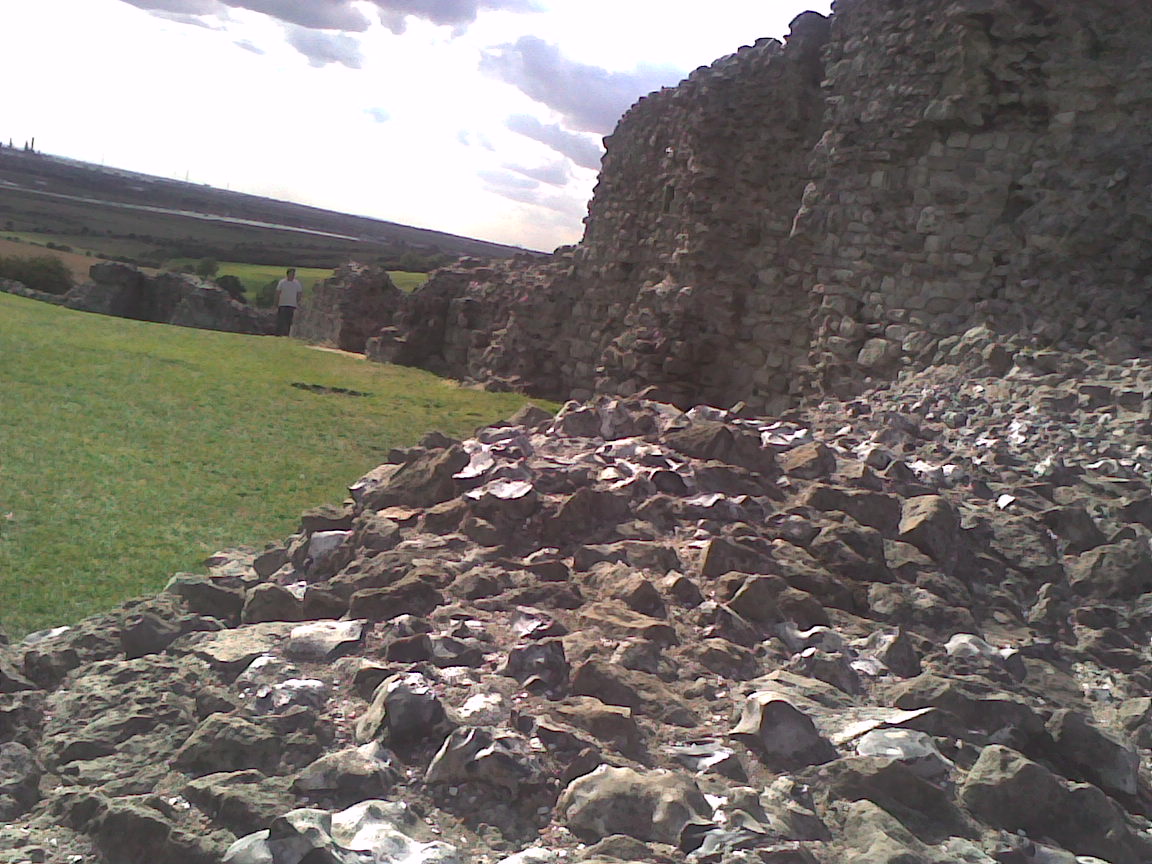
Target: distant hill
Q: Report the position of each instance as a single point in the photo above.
(53, 177)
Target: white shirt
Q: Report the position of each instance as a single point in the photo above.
(289, 292)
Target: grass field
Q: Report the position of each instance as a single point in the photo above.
(407, 281)
(129, 451)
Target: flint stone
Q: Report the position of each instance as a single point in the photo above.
(809, 461)
(834, 669)
(584, 513)
(876, 510)
(226, 742)
(922, 807)
(493, 756)
(424, 481)
(371, 832)
(711, 441)
(243, 801)
(976, 708)
(543, 661)
(271, 602)
(126, 829)
(932, 525)
(1009, 791)
(207, 596)
(362, 772)
(405, 710)
(879, 838)
(896, 651)
(612, 724)
(19, 780)
(625, 623)
(756, 599)
(643, 693)
(140, 635)
(722, 556)
(1075, 527)
(51, 654)
(231, 651)
(916, 750)
(320, 640)
(410, 596)
(270, 560)
(11, 680)
(326, 517)
(652, 806)
(782, 735)
(1100, 758)
(1117, 571)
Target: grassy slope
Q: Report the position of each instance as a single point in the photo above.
(129, 451)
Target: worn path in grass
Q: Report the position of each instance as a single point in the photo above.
(129, 451)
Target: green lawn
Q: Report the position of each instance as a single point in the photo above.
(129, 451)
(407, 281)
(255, 276)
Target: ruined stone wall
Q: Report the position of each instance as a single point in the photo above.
(809, 215)
(982, 161)
(348, 309)
(124, 291)
(685, 258)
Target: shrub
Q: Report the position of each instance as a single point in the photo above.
(266, 295)
(233, 286)
(42, 273)
(207, 268)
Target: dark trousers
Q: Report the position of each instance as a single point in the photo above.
(284, 316)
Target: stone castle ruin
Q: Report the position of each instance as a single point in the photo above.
(907, 624)
(808, 215)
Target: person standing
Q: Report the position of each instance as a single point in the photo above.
(288, 293)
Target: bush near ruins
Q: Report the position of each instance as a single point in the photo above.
(233, 286)
(206, 268)
(41, 272)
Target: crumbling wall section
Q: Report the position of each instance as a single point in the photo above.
(816, 215)
(983, 162)
(348, 309)
(685, 257)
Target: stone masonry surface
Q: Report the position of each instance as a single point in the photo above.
(802, 217)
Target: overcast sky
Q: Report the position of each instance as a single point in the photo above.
(478, 117)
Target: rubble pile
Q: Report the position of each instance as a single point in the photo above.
(907, 627)
(125, 291)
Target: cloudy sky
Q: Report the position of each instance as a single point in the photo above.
(479, 117)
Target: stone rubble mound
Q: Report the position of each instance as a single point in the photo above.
(125, 291)
(907, 628)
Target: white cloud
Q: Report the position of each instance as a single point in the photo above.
(581, 149)
(457, 14)
(180, 7)
(556, 174)
(380, 115)
(314, 14)
(324, 48)
(501, 181)
(589, 98)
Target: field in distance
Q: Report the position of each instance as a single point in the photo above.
(129, 451)
(78, 259)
